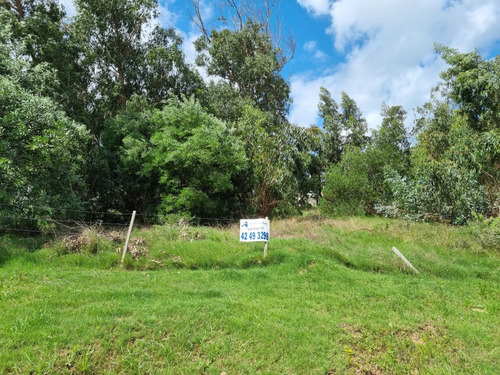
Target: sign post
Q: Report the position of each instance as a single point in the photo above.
(255, 230)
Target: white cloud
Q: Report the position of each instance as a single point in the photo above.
(312, 48)
(317, 7)
(166, 17)
(390, 51)
(305, 93)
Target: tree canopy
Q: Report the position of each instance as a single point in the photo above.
(103, 112)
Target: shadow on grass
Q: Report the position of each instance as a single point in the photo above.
(14, 246)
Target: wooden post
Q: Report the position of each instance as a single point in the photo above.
(128, 236)
(404, 259)
(265, 246)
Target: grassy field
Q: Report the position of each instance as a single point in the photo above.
(330, 298)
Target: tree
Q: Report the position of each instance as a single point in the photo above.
(247, 60)
(235, 14)
(445, 181)
(223, 102)
(197, 158)
(41, 157)
(331, 151)
(307, 167)
(357, 183)
(354, 124)
(249, 51)
(124, 56)
(347, 189)
(344, 125)
(392, 138)
(41, 149)
(38, 27)
(125, 142)
(165, 72)
(248, 55)
(455, 174)
(123, 59)
(268, 185)
(112, 31)
(474, 85)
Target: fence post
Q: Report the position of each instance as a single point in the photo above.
(265, 246)
(398, 253)
(128, 236)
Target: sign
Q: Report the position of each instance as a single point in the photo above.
(254, 230)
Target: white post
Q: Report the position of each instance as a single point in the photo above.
(404, 259)
(265, 246)
(128, 236)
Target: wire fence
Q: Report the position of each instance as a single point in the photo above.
(37, 220)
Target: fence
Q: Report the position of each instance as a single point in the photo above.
(23, 219)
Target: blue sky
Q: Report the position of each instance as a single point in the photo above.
(375, 51)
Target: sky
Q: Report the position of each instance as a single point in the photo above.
(375, 51)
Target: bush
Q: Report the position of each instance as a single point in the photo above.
(347, 188)
(487, 232)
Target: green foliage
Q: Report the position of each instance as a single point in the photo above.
(474, 85)
(454, 174)
(41, 153)
(234, 151)
(445, 182)
(392, 137)
(125, 142)
(347, 189)
(269, 185)
(197, 158)
(247, 59)
(224, 102)
(344, 126)
(122, 59)
(332, 145)
(356, 184)
(43, 38)
(353, 122)
(307, 168)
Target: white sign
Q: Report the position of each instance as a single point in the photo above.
(254, 230)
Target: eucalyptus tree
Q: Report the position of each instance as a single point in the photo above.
(392, 138)
(354, 124)
(41, 149)
(41, 30)
(328, 110)
(246, 59)
(455, 175)
(474, 86)
(248, 52)
(344, 125)
(125, 54)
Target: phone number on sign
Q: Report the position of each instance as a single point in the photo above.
(245, 236)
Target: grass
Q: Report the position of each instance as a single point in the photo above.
(331, 298)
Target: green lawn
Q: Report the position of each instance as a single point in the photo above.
(331, 298)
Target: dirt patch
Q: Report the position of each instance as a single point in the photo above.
(353, 331)
(375, 353)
